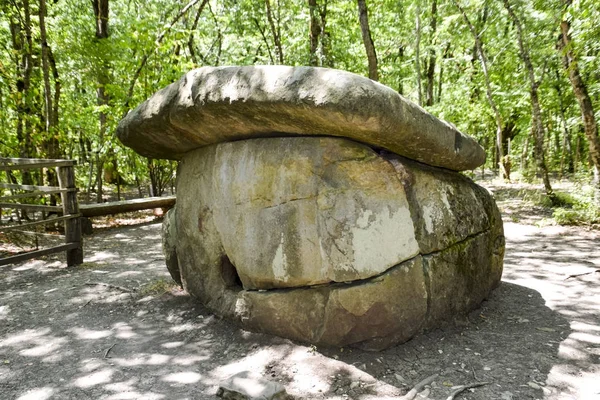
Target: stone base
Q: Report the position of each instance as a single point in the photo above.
(325, 241)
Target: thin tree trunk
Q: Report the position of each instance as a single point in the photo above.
(219, 38)
(583, 98)
(418, 54)
(327, 61)
(536, 112)
(314, 33)
(101, 8)
(432, 56)
(401, 61)
(577, 152)
(275, 32)
(441, 75)
(23, 46)
(567, 152)
(190, 42)
(524, 154)
(50, 140)
(264, 37)
(498, 117)
(363, 16)
(158, 41)
(49, 108)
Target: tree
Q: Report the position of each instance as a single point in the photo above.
(536, 111)
(498, 117)
(68, 74)
(102, 33)
(580, 89)
(318, 35)
(363, 16)
(430, 67)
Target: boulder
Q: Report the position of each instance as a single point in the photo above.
(213, 105)
(327, 241)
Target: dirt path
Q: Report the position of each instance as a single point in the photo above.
(108, 330)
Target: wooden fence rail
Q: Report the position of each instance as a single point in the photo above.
(65, 172)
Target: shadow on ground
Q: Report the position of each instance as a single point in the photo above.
(114, 328)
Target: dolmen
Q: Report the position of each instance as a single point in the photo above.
(318, 205)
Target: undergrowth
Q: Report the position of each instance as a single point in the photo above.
(157, 287)
(573, 208)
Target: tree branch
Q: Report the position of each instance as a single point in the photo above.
(158, 41)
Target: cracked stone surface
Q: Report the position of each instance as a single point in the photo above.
(326, 241)
(213, 105)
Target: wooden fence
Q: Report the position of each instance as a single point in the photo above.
(69, 208)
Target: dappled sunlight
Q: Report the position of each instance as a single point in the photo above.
(87, 334)
(92, 331)
(44, 347)
(26, 336)
(100, 256)
(182, 377)
(95, 378)
(38, 394)
(560, 264)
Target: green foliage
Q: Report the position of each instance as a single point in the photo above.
(576, 209)
(149, 47)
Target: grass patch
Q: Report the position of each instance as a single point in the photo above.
(89, 265)
(573, 208)
(157, 287)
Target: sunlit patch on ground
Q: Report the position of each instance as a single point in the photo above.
(119, 328)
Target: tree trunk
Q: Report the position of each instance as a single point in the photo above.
(536, 112)
(102, 33)
(502, 160)
(23, 46)
(50, 141)
(325, 37)
(430, 84)
(363, 16)
(275, 32)
(441, 75)
(314, 32)
(190, 42)
(418, 54)
(577, 152)
(585, 103)
(319, 51)
(567, 153)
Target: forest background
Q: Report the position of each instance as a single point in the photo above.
(522, 77)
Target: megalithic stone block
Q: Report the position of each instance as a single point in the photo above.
(213, 105)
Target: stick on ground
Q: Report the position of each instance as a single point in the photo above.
(417, 388)
(585, 273)
(108, 350)
(462, 388)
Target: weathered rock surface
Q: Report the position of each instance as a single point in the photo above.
(324, 240)
(219, 104)
(308, 211)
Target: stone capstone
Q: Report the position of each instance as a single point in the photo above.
(212, 105)
(327, 241)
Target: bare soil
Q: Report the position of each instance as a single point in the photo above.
(117, 328)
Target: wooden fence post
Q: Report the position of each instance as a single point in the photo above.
(66, 180)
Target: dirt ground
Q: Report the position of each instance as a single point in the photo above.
(116, 328)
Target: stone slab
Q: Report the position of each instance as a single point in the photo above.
(212, 105)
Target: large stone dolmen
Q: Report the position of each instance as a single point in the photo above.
(319, 205)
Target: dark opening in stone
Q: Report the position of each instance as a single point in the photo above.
(229, 275)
